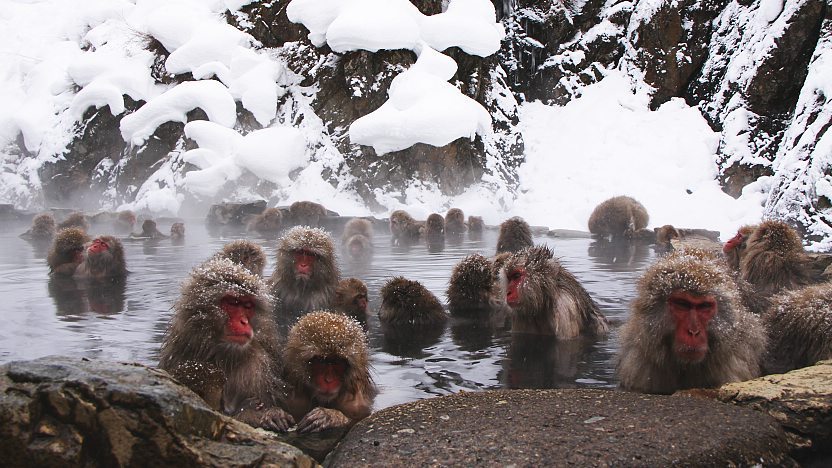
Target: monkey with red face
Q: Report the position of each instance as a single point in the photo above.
(306, 275)
(545, 298)
(688, 328)
(328, 370)
(735, 246)
(103, 259)
(222, 343)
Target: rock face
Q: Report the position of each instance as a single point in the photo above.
(579, 427)
(758, 71)
(801, 401)
(73, 412)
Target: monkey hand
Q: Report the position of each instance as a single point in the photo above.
(275, 419)
(320, 419)
(272, 419)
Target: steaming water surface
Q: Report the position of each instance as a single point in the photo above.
(43, 317)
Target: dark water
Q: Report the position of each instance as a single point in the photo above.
(126, 324)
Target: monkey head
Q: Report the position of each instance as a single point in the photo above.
(68, 246)
(399, 221)
(306, 255)
(351, 297)
(177, 230)
(777, 236)
(472, 284)
(327, 354)
(526, 278)
(43, 226)
(683, 298)
(246, 253)
(223, 304)
(409, 303)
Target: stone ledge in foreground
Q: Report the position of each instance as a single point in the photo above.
(563, 427)
(67, 412)
(800, 400)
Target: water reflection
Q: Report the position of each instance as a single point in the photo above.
(127, 322)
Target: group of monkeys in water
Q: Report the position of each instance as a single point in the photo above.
(703, 315)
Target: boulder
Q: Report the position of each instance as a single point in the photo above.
(800, 401)
(66, 412)
(563, 427)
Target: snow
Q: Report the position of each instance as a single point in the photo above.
(373, 25)
(271, 153)
(423, 108)
(603, 144)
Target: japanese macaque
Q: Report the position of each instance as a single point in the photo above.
(246, 253)
(328, 372)
(688, 328)
(306, 275)
(404, 229)
(43, 228)
(434, 232)
(67, 252)
(408, 302)
(473, 289)
(75, 220)
(515, 235)
(222, 343)
(618, 217)
(799, 325)
(177, 231)
(476, 226)
(545, 298)
(455, 222)
(268, 223)
(664, 235)
(307, 213)
(735, 247)
(773, 259)
(351, 298)
(357, 238)
(103, 259)
(124, 222)
(149, 231)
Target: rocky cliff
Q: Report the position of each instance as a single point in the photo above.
(758, 71)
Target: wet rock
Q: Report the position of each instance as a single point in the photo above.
(68, 412)
(565, 427)
(233, 214)
(800, 401)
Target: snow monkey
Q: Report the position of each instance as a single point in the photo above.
(688, 328)
(103, 259)
(545, 298)
(222, 343)
(67, 252)
(246, 253)
(357, 238)
(515, 235)
(328, 371)
(618, 217)
(306, 275)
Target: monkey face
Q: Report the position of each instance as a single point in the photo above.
(691, 314)
(304, 264)
(239, 311)
(515, 279)
(328, 375)
(98, 246)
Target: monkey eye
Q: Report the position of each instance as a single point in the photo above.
(515, 275)
(680, 303)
